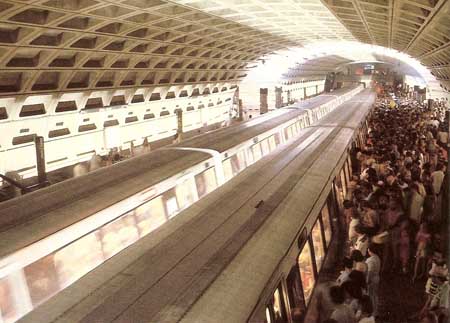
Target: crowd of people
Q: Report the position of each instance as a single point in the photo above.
(392, 214)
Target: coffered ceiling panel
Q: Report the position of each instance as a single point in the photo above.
(81, 45)
(63, 45)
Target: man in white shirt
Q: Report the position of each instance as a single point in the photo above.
(342, 312)
(373, 275)
(442, 137)
(362, 242)
(437, 177)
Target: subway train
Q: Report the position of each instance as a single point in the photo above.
(70, 228)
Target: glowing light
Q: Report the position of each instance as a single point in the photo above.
(272, 68)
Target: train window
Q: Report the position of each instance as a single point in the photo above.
(343, 185)
(288, 133)
(3, 113)
(219, 102)
(42, 279)
(306, 267)
(272, 143)
(268, 315)
(337, 194)
(150, 216)
(58, 133)
(227, 169)
(277, 139)
(276, 307)
(118, 234)
(238, 161)
(326, 224)
(265, 147)
(206, 182)
(201, 106)
(318, 244)
(256, 152)
(87, 127)
(149, 116)
(9, 311)
(295, 295)
(171, 203)
(131, 119)
(347, 178)
(210, 104)
(185, 193)
(164, 113)
(78, 258)
(190, 108)
(172, 206)
(23, 139)
(349, 165)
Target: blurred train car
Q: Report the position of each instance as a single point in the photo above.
(95, 216)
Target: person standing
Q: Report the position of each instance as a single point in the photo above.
(373, 275)
(342, 312)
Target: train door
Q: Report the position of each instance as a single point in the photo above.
(15, 298)
(333, 208)
(349, 165)
(318, 244)
(306, 268)
(275, 309)
(205, 182)
(343, 184)
(337, 194)
(347, 178)
(295, 295)
(326, 224)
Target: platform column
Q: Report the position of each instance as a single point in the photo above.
(179, 125)
(240, 110)
(278, 97)
(40, 159)
(263, 107)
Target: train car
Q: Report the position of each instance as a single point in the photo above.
(232, 256)
(96, 216)
(273, 277)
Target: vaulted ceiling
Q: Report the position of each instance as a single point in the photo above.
(420, 28)
(78, 45)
